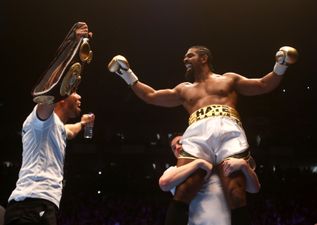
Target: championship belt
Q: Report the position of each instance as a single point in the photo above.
(64, 73)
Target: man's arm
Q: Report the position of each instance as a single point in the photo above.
(72, 130)
(284, 57)
(176, 175)
(165, 97)
(44, 111)
(255, 86)
(234, 164)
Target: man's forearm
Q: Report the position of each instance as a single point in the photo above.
(72, 130)
(174, 177)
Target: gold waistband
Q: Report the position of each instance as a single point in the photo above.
(214, 110)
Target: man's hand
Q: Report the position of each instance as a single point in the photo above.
(285, 56)
(205, 165)
(120, 65)
(82, 31)
(231, 165)
(87, 118)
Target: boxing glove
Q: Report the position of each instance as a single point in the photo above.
(120, 66)
(285, 56)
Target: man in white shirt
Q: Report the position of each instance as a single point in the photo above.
(38, 191)
(209, 207)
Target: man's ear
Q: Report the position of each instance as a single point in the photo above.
(204, 58)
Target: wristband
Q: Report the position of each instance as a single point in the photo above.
(279, 69)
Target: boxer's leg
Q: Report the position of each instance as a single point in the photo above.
(177, 213)
(234, 189)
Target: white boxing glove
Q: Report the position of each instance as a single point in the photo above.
(120, 65)
(285, 56)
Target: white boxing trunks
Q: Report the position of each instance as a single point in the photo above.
(214, 134)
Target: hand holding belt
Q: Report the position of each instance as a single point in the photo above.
(64, 72)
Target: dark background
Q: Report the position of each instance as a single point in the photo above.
(154, 35)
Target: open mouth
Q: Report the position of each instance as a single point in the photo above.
(188, 66)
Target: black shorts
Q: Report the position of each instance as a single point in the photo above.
(31, 211)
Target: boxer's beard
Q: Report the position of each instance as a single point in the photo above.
(189, 75)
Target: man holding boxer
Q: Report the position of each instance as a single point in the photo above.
(209, 207)
(215, 131)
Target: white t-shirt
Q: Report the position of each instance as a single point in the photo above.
(42, 169)
(209, 207)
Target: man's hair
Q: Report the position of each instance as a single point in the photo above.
(173, 135)
(202, 50)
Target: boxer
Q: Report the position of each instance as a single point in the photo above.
(215, 130)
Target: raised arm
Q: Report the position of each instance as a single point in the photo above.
(164, 97)
(255, 86)
(44, 110)
(46, 102)
(252, 182)
(284, 57)
(176, 175)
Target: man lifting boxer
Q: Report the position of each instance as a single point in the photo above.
(215, 130)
